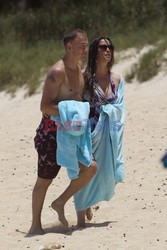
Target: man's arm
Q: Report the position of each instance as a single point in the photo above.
(52, 85)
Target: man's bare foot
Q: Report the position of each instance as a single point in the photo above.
(89, 213)
(35, 231)
(56, 205)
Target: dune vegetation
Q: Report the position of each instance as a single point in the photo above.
(30, 39)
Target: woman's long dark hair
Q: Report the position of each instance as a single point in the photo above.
(90, 70)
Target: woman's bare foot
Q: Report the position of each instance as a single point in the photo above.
(35, 231)
(59, 208)
(96, 208)
(89, 213)
(81, 219)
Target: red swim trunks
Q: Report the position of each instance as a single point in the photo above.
(45, 144)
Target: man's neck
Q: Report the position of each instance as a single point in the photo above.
(70, 63)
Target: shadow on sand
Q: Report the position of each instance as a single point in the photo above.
(60, 229)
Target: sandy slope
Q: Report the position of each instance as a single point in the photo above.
(134, 219)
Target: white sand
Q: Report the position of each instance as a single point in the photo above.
(135, 219)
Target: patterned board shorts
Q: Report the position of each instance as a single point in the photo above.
(45, 144)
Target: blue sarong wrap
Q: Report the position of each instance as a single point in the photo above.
(107, 150)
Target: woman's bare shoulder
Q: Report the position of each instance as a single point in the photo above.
(116, 78)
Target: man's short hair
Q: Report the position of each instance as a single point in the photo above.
(72, 34)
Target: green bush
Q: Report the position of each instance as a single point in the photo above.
(150, 63)
(22, 65)
(96, 17)
(29, 40)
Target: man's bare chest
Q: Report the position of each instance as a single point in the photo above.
(71, 89)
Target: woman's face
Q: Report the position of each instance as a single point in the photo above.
(104, 51)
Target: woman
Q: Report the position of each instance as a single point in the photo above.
(100, 83)
(104, 92)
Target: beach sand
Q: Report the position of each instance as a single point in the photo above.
(135, 219)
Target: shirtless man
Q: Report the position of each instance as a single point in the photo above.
(64, 82)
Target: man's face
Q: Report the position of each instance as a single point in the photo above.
(80, 47)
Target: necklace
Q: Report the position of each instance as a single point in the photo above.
(104, 88)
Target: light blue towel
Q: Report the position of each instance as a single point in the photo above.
(107, 150)
(74, 137)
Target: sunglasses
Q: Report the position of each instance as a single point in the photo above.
(104, 47)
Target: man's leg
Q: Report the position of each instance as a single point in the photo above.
(85, 175)
(38, 197)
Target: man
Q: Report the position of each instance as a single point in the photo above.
(64, 82)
